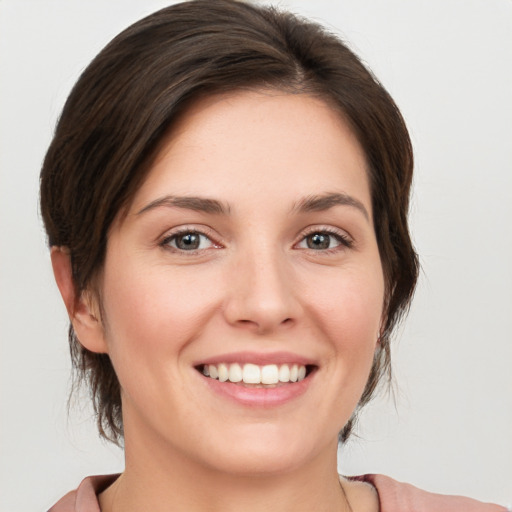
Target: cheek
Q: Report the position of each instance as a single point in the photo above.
(154, 311)
(152, 317)
(350, 305)
(347, 308)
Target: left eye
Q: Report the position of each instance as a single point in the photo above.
(188, 241)
(320, 241)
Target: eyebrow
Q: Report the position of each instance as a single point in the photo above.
(199, 204)
(318, 203)
(313, 203)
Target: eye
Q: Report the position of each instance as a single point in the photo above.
(188, 241)
(324, 240)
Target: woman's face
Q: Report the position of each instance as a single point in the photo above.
(249, 252)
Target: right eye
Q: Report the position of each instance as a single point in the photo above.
(188, 241)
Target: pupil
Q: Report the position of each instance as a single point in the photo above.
(188, 241)
(318, 241)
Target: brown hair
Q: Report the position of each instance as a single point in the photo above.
(127, 99)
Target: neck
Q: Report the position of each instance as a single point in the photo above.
(163, 480)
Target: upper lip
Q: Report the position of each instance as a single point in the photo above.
(258, 358)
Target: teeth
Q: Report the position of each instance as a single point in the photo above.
(251, 374)
(235, 373)
(294, 373)
(270, 374)
(212, 370)
(223, 372)
(254, 374)
(284, 373)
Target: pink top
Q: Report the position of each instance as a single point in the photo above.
(393, 497)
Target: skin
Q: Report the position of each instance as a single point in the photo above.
(254, 284)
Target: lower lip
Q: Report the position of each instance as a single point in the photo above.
(259, 397)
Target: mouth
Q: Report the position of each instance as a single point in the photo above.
(252, 375)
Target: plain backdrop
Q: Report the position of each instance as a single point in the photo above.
(448, 64)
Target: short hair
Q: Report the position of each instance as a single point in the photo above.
(129, 97)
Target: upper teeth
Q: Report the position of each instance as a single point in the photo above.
(254, 374)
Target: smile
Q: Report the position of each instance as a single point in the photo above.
(255, 375)
(262, 380)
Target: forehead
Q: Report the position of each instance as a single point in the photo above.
(263, 142)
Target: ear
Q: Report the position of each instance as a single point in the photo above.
(83, 311)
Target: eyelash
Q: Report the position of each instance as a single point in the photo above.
(345, 242)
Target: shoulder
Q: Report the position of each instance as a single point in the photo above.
(85, 498)
(401, 497)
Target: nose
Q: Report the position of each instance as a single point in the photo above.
(262, 293)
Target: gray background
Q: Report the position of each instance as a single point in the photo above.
(448, 64)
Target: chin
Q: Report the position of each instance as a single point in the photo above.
(263, 449)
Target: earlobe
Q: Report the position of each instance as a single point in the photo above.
(83, 310)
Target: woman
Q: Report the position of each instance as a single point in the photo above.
(226, 203)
